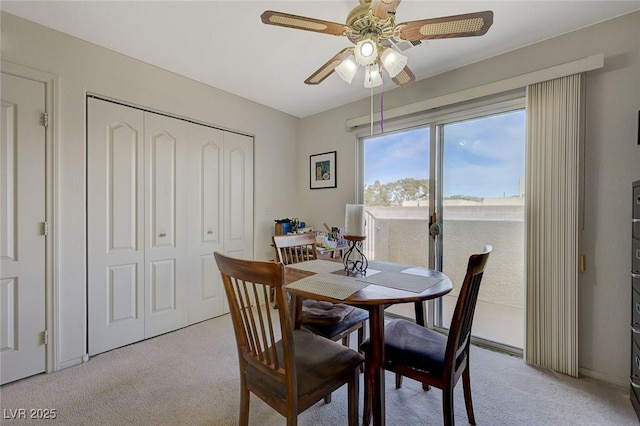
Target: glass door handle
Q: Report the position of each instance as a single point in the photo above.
(434, 228)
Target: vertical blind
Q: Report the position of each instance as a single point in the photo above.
(554, 121)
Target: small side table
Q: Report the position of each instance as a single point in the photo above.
(354, 260)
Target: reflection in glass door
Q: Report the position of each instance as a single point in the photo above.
(396, 195)
(483, 203)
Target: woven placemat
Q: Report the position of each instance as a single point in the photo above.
(330, 285)
(317, 266)
(402, 281)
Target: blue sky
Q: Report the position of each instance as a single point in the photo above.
(482, 157)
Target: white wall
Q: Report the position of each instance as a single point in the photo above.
(612, 162)
(83, 67)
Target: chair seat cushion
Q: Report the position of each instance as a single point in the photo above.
(414, 346)
(321, 312)
(318, 362)
(332, 329)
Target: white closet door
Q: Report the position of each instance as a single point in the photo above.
(166, 198)
(22, 241)
(206, 292)
(238, 195)
(115, 249)
(163, 195)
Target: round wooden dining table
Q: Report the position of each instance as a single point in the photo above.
(374, 298)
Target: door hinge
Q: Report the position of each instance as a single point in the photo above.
(45, 119)
(46, 337)
(45, 229)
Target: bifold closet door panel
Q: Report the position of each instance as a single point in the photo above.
(115, 225)
(206, 292)
(166, 238)
(238, 195)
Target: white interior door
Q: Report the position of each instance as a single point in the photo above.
(206, 292)
(238, 195)
(166, 198)
(115, 249)
(163, 195)
(22, 240)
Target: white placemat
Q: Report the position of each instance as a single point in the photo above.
(402, 281)
(331, 285)
(418, 270)
(317, 266)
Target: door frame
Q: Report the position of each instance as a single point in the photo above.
(51, 85)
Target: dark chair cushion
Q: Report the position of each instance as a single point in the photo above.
(329, 330)
(318, 362)
(412, 345)
(326, 313)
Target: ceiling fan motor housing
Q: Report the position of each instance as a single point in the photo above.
(363, 24)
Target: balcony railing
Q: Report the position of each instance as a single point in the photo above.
(400, 234)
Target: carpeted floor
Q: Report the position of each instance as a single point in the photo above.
(190, 377)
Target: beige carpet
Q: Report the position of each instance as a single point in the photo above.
(189, 377)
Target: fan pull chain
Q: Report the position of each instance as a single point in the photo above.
(371, 108)
(381, 103)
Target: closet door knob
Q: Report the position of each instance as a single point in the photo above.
(162, 234)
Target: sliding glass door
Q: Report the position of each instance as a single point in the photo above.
(483, 203)
(396, 195)
(465, 172)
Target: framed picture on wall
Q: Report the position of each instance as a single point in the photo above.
(322, 170)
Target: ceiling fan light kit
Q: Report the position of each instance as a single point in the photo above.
(371, 27)
(366, 52)
(372, 76)
(347, 69)
(393, 61)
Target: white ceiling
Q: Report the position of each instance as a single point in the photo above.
(224, 44)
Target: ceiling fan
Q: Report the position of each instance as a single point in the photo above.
(371, 27)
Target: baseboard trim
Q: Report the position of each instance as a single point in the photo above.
(586, 372)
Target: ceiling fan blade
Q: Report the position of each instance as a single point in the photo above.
(466, 25)
(404, 77)
(382, 8)
(327, 69)
(281, 19)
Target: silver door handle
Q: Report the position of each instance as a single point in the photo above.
(162, 234)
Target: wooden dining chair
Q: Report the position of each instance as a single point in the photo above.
(430, 357)
(289, 369)
(335, 321)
